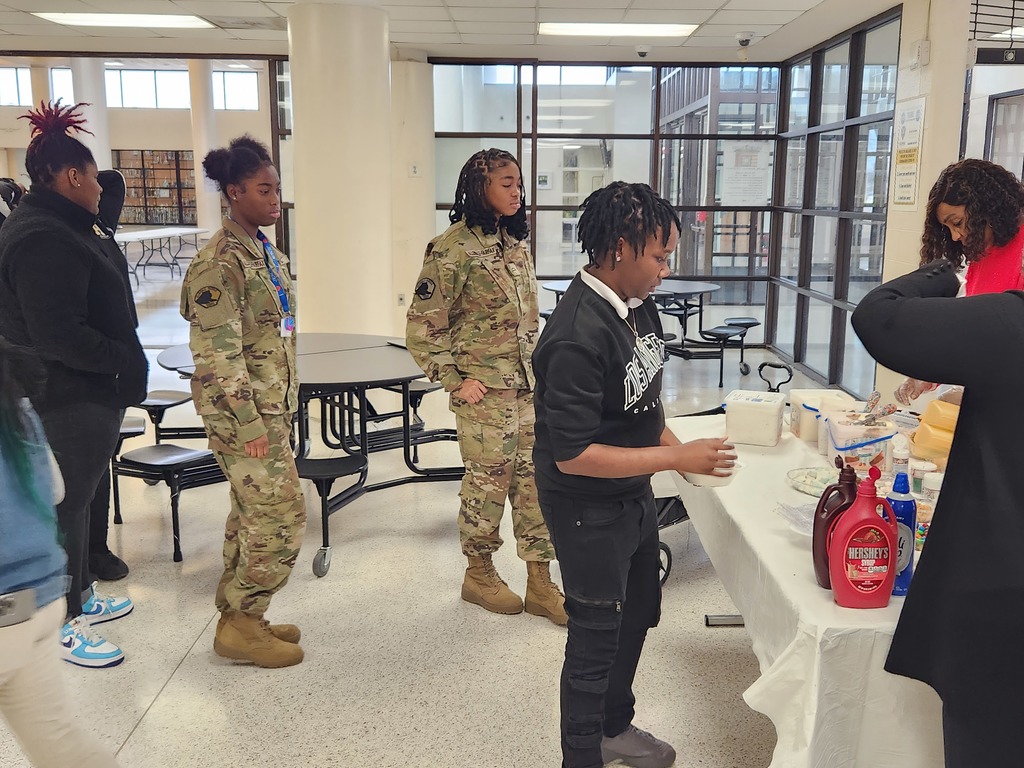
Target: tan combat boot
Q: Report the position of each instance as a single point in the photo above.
(484, 587)
(287, 632)
(543, 597)
(248, 638)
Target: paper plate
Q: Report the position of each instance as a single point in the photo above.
(800, 517)
(812, 480)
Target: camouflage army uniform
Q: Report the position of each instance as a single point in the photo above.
(245, 386)
(474, 315)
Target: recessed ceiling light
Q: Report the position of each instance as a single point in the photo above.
(573, 146)
(113, 63)
(238, 66)
(139, 20)
(615, 30)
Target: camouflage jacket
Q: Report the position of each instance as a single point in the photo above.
(474, 313)
(244, 367)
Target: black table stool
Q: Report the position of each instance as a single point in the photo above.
(746, 323)
(157, 404)
(181, 468)
(323, 473)
(720, 336)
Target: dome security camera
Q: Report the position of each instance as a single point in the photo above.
(744, 38)
(643, 50)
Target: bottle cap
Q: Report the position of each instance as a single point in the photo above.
(933, 481)
(867, 485)
(901, 484)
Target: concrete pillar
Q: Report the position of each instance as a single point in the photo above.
(341, 102)
(945, 24)
(90, 88)
(40, 84)
(412, 176)
(204, 139)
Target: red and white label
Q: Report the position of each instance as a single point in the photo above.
(867, 559)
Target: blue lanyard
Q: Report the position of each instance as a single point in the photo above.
(275, 271)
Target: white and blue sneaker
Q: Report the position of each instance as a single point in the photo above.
(100, 608)
(79, 645)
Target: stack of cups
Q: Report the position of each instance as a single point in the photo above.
(931, 484)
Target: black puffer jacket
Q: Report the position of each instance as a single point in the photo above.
(62, 294)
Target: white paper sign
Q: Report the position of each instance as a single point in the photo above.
(909, 129)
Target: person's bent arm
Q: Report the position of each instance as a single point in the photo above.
(428, 335)
(703, 457)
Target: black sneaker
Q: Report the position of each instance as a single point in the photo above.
(638, 749)
(106, 566)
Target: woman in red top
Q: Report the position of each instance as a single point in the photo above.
(975, 213)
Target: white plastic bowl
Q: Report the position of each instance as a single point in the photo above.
(712, 481)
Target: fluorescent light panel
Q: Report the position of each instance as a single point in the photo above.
(582, 29)
(136, 20)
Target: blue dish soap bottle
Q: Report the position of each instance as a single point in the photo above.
(905, 507)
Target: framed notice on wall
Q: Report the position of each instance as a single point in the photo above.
(909, 129)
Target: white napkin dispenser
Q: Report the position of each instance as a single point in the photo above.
(754, 418)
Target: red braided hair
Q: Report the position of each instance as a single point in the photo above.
(52, 148)
(56, 118)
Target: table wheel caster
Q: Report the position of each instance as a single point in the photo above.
(664, 562)
(322, 562)
(744, 369)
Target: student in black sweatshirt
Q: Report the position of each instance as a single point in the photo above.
(62, 296)
(600, 436)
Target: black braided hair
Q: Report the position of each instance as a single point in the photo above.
(991, 196)
(471, 202)
(52, 148)
(633, 212)
(243, 158)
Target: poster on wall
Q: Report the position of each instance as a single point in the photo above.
(909, 129)
(745, 176)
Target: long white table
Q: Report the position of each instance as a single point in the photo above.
(822, 681)
(158, 244)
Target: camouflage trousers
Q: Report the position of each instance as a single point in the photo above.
(267, 519)
(496, 441)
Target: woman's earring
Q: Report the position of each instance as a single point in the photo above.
(618, 258)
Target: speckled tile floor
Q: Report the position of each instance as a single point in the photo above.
(398, 671)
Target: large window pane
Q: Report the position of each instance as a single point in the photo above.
(824, 247)
(739, 173)
(9, 96)
(284, 96)
(873, 151)
(25, 86)
(819, 336)
(557, 251)
(865, 258)
(881, 50)
(593, 99)
(738, 100)
(722, 243)
(452, 154)
(785, 319)
(138, 89)
(685, 95)
(830, 169)
(218, 90)
(112, 78)
(858, 366)
(789, 261)
(796, 164)
(475, 98)
(62, 85)
(799, 95)
(172, 90)
(835, 84)
(241, 91)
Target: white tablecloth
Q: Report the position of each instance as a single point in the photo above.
(822, 680)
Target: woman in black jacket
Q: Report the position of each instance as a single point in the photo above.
(61, 295)
(962, 623)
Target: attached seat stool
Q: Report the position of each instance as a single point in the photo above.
(181, 468)
(746, 323)
(131, 426)
(323, 473)
(157, 404)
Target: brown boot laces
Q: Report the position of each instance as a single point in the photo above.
(491, 572)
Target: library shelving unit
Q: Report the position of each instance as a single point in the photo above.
(160, 185)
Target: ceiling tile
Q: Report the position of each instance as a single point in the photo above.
(222, 8)
(504, 30)
(746, 18)
(255, 34)
(424, 39)
(415, 13)
(776, 5)
(52, 30)
(497, 15)
(429, 27)
(137, 6)
(281, 9)
(50, 6)
(623, 4)
(678, 5)
(415, 2)
(20, 17)
(602, 16)
(487, 5)
(730, 30)
(648, 16)
(498, 39)
(712, 42)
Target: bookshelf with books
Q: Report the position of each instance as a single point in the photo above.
(160, 186)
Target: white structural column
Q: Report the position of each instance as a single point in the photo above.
(208, 198)
(941, 82)
(87, 77)
(341, 101)
(413, 174)
(40, 74)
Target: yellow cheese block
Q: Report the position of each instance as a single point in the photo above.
(941, 415)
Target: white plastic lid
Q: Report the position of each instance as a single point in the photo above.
(922, 466)
(933, 481)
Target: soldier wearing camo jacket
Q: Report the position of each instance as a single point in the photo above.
(238, 298)
(472, 326)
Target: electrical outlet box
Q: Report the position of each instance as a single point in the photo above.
(414, 170)
(920, 54)
(401, 299)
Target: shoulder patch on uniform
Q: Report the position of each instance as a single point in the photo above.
(207, 297)
(425, 288)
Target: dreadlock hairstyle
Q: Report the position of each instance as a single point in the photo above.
(21, 375)
(241, 160)
(52, 148)
(471, 202)
(633, 212)
(991, 196)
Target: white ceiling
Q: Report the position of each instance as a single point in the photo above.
(464, 28)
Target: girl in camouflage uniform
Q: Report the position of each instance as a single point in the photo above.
(238, 298)
(472, 326)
